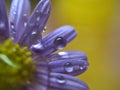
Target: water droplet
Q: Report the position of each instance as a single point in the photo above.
(69, 67)
(45, 28)
(81, 65)
(38, 19)
(34, 33)
(34, 38)
(14, 12)
(13, 31)
(12, 26)
(60, 79)
(81, 68)
(25, 15)
(62, 53)
(2, 25)
(37, 13)
(37, 48)
(25, 24)
(60, 42)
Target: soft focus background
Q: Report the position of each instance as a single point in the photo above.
(97, 23)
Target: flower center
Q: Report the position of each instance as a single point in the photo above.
(16, 66)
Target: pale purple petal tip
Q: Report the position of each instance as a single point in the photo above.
(19, 14)
(36, 23)
(56, 40)
(71, 62)
(4, 31)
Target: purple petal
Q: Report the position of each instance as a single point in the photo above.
(4, 31)
(40, 78)
(56, 40)
(19, 14)
(45, 80)
(36, 23)
(71, 62)
(65, 82)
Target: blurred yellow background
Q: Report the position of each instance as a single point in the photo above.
(97, 25)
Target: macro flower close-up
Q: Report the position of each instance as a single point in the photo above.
(28, 60)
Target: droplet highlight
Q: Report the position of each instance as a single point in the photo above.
(68, 67)
(82, 65)
(13, 31)
(25, 24)
(60, 43)
(2, 25)
(37, 13)
(14, 12)
(45, 28)
(38, 19)
(61, 80)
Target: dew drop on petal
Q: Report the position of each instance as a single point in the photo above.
(68, 67)
(45, 28)
(36, 48)
(12, 26)
(2, 25)
(35, 37)
(62, 53)
(82, 65)
(60, 43)
(38, 19)
(34, 33)
(25, 24)
(60, 79)
(13, 31)
(14, 13)
(81, 68)
(37, 13)
(25, 15)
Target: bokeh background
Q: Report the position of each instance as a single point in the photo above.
(97, 24)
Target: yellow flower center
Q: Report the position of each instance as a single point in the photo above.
(16, 66)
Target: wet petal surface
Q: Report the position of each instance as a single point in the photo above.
(56, 40)
(71, 62)
(36, 23)
(59, 81)
(19, 14)
(4, 31)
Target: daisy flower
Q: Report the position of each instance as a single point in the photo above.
(28, 60)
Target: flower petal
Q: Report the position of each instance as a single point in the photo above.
(19, 14)
(4, 31)
(56, 40)
(40, 81)
(65, 82)
(45, 80)
(36, 23)
(71, 62)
